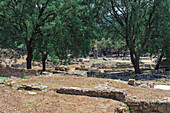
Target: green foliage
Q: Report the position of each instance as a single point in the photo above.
(25, 76)
(43, 105)
(39, 82)
(4, 79)
(127, 107)
(47, 27)
(50, 28)
(135, 22)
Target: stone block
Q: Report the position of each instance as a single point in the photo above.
(131, 82)
(95, 92)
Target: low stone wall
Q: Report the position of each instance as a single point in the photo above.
(134, 106)
(115, 75)
(149, 107)
(95, 92)
(16, 72)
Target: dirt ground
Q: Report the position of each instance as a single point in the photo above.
(58, 81)
(20, 101)
(51, 102)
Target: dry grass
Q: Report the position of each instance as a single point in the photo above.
(64, 81)
(52, 102)
(83, 82)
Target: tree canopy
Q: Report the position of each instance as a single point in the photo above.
(58, 28)
(46, 26)
(134, 20)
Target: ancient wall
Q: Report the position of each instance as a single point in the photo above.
(16, 72)
(95, 92)
(149, 107)
(134, 106)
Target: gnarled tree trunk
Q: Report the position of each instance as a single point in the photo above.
(135, 62)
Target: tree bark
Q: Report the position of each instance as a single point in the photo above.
(118, 54)
(29, 57)
(44, 58)
(159, 61)
(29, 52)
(135, 62)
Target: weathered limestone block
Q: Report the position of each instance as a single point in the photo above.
(84, 60)
(149, 107)
(77, 73)
(99, 65)
(82, 67)
(95, 92)
(29, 87)
(109, 71)
(131, 82)
(72, 63)
(64, 68)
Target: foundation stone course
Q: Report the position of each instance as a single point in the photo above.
(149, 107)
(105, 92)
(16, 72)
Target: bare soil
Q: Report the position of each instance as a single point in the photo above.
(58, 81)
(51, 102)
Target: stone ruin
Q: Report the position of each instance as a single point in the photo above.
(140, 84)
(62, 68)
(132, 106)
(149, 107)
(95, 92)
(95, 51)
(16, 72)
(76, 73)
(82, 67)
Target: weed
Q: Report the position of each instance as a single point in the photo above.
(40, 83)
(1, 106)
(31, 102)
(43, 106)
(43, 88)
(25, 76)
(5, 79)
(127, 107)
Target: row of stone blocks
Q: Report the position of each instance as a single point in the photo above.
(149, 107)
(9, 71)
(95, 92)
(105, 92)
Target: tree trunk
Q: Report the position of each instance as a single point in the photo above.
(29, 57)
(43, 62)
(135, 62)
(118, 54)
(29, 53)
(124, 53)
(159, 61)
